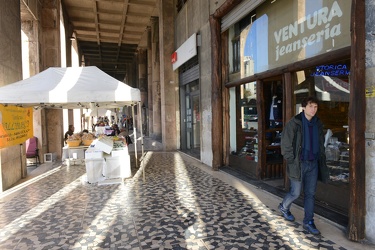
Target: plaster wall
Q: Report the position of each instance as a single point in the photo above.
(370, 120)
(12, 163)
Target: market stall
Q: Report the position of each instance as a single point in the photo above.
(71, 88)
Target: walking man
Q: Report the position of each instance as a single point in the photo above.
(302, 145)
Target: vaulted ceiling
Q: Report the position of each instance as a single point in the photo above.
(108, 32)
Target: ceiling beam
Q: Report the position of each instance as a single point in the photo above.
(96, 17)
(89, 21)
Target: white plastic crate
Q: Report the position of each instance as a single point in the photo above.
(103, 144)
(91, 153)
(117, 167)
(77, 153)
(94, 169)
(50, 157)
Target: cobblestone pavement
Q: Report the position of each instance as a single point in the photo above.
(181, 205)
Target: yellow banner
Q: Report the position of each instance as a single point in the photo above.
(16, 125)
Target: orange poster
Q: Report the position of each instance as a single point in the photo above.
(16, 125)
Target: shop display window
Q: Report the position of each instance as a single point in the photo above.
(273, 100)
(258, 125)
(330, 83)
(247, 125)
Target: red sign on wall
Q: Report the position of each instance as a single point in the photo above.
(174, 57)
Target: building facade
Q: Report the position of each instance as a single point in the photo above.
(265, 56)
(219, 79)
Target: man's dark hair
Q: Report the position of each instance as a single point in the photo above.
(309, 99)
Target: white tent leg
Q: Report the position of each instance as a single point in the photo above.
(135, 138)
(143, 169)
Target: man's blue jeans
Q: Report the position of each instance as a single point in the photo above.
(309, 181)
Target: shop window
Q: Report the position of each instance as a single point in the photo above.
(245, 128)
(278, 33)
(256, 149)
(271, 92)
(236, 54)
(330, 84)
(238, 33)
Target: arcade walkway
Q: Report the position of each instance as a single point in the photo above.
(182, 205)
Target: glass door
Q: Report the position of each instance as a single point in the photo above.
(195, 124)
(191, 137)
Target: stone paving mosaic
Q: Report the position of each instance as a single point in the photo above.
(178, 207)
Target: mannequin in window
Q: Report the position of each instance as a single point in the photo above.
(276, 112)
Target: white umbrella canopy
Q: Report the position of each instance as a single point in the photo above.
(71, 87)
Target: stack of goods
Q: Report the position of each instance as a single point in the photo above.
(87, 139)
(74, 140)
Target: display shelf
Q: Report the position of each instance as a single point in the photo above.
(336, 167)
(270, 130)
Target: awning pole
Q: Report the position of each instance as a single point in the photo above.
(141, 115)
(135, 138)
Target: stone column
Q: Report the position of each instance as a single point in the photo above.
(149, 119)
(156, 102)
(370, 119)
(143, 85)
(12, 159)
(52, 125)
(168, 86)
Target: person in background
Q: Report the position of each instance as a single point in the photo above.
(69, 132)
(85, 131)
(302, 145)
(116, 130)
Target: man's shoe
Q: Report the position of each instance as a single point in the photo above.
(311, 228)
(286, 213)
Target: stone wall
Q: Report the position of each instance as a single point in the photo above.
(370, 117)
(10, 42)
(12, 165)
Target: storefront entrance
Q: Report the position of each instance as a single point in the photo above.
(190, 114)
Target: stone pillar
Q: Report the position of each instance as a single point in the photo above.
(30, 60)
(149, 107)
(156, 102)
(133, 81)
(168, 85)
(143, 86)
(12, 159)
(31, 66)
(10, 40)
(50, 57)
(370, 118)
(50, 36)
